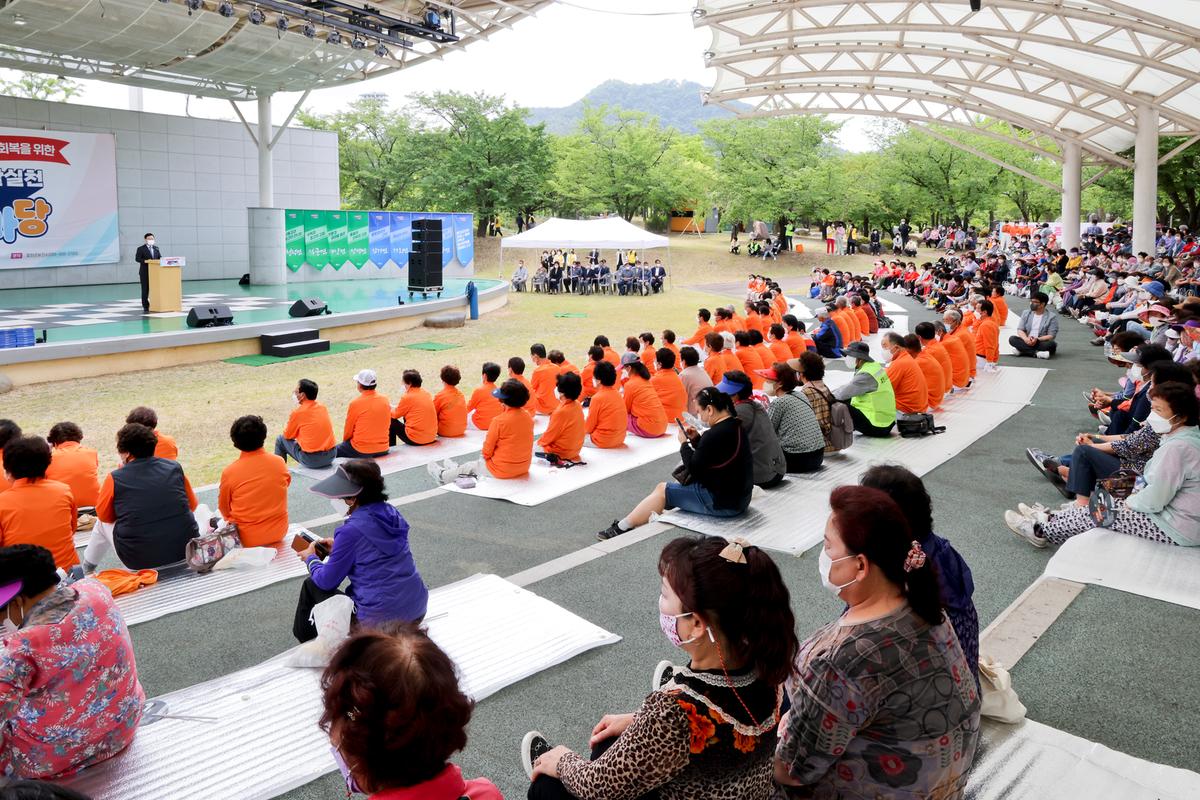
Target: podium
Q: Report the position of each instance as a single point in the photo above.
(166, 284)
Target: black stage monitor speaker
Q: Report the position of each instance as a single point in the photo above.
(209, 316)
(309, 307)
(425, 271)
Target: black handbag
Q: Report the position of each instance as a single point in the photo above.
(916, 425)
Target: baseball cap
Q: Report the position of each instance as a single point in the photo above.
(337, 485)
(8, 591)
(629, 358)
(366, 377)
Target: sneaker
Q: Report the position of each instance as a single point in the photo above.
(1043, 354)
(1025, 528)
(85, 522)
(662, 673)
(610, 532)
(1037, 458)
(533, 747)
(1098, 341)
(1036, 512)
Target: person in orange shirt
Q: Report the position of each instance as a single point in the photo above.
(703, 328)
(753, 321)
(633, 347)
(777, 344)
(1000, 315)
(647, 418)
(368, 421)
(560, 361)
(73, 464)
(484, 407)
(725, 322)
(668, 385)
(564, 437)
(739, 322)
(595, 356)
(668, 341)
(253, 489)
(960, 360)
(908, 381)
(952, 319)
(542, 382)
(714, 364)
(607, 420)
(450, 405)
(516, 372)
(414, 420)
(843, 306)
(838, 317)
(308, 435)
(649, 351)
(936, 381)
(749, 359)
(610, 355)
(795, 335)
(37, 510)
(144, 415)
(729, 359)
(508, 449)
(860, 315)
(927, 332)
(987, 336)
(758, 342)
(9, 431)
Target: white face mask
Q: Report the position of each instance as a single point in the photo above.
(297, 397)
(888, 355)
(340, 505)
(7, 628)
(1158, 423)
(851, 362)
(1135, 372)
(769, 387)
(149, 243)
(824, 564)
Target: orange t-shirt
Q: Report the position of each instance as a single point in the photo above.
(671, 392)
(960, 360)
(253, 494)
(726, 325)
(642, 403)
(936, 380)
(451, 409)
(749, 361)
(647, 357)
(795, 343)
(543, 381)
(730, 361)
(702, 331)
(586, 378)
(714, 365)
(368, 419)
(764, 355)
(565, 435)
(999, 310)
(508, 448)
(781, 352)
(967, 338)
(566, 367)
(864, 322)
(607, 420)
(908, 382)
(852, 321)
(40, 512)
(843, 326)
(310, 426)
(987, 340)
(674, 348)
(611, 357)
(419, 413)
(166, 447)
(530, 407)
(484, 408)
(78, 467)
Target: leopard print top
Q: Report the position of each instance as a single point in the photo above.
(691, 740)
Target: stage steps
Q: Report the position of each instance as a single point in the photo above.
(293, 343)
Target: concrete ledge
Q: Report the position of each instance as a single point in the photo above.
(446, 321)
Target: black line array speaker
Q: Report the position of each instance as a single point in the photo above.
(425, 261)
(308, 307)
(209, 316)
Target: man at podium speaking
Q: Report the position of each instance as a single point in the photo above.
(147, 252)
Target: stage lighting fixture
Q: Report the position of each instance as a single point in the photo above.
(309, 30)
(281, 23)
(433, 19)
(193, 5)
(256, 16)
(225, 9)
(333, 38)
(381, 51)
(357, 43)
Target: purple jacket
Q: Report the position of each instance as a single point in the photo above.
(371, 549)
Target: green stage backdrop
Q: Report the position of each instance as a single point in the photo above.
(362, 238)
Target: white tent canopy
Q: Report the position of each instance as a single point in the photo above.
(609, 232)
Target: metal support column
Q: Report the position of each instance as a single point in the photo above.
(266, 167)
(1145, 180)
(1072, 191)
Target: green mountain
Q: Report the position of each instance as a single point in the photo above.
(675, 103)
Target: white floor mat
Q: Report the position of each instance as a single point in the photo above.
(188, 590)
(545, 482)
(1008, 331)
(1031, 761)
(1129, 564)
(791, 517)
(271, 710)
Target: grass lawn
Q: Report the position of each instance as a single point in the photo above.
(197, 403)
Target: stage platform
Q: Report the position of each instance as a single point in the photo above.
(98, 330)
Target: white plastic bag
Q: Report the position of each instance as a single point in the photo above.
(1000, 702)
(331, 618)
(247, 557)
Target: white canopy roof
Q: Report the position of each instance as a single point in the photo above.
(609, 232)
(1069, 70)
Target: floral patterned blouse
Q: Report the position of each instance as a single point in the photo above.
(691, 740)
(69, 693)
(886, 709)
